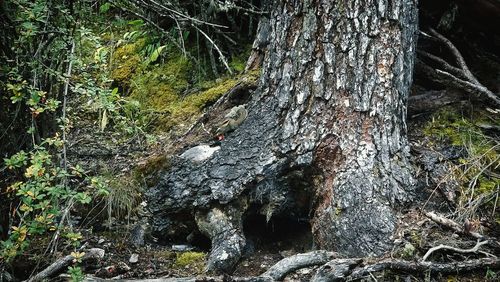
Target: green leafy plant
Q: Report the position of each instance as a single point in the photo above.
(42, 194)
(75, 273)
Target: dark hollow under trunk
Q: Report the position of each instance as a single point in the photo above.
(325, 135)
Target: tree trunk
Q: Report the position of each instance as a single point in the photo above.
(327, 120)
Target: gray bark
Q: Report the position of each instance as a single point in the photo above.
(292, 263)
(327, 120)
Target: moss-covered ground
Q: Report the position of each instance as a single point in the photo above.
(479, 167)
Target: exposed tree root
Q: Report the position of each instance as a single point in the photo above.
(60, 264)
(474, 249)
(289, 264)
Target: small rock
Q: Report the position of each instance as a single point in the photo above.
(99, 253)
(100, 241)
(304, 271)
(134, 258)
(182, 248)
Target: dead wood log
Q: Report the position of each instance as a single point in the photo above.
(432, 100)
(60, 264)
(298, 261)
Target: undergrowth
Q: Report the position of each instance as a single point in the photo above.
(479, 169)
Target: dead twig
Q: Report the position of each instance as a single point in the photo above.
(221, 56)
(474, 249)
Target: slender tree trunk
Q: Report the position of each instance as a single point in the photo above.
(329, 116)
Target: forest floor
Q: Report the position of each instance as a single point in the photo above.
(451, 143)
(269, 242)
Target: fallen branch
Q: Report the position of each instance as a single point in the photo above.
(432, 100)
(289, 264)
(460, 229)
(60, 264)
(452, 225)
(474, 249)
(225, 278)
(460, 77)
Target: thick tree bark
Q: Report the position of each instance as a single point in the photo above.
(328, 119)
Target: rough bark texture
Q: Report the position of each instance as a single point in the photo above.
(327, 120)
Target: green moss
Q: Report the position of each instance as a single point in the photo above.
(160, 88)
(408, 251)
(126, 62)
(195, 260)
(238, 62)
(176, 72)
(450, 126)
(191, 106)
(416, 239)
(146, 172)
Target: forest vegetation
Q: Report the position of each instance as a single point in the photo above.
(123, 155)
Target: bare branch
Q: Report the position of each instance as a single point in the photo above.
(221, 56)
(447, 67)
(459, 228)
(460, 77)
(474, 249)
(471, 87)
(460, 59)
